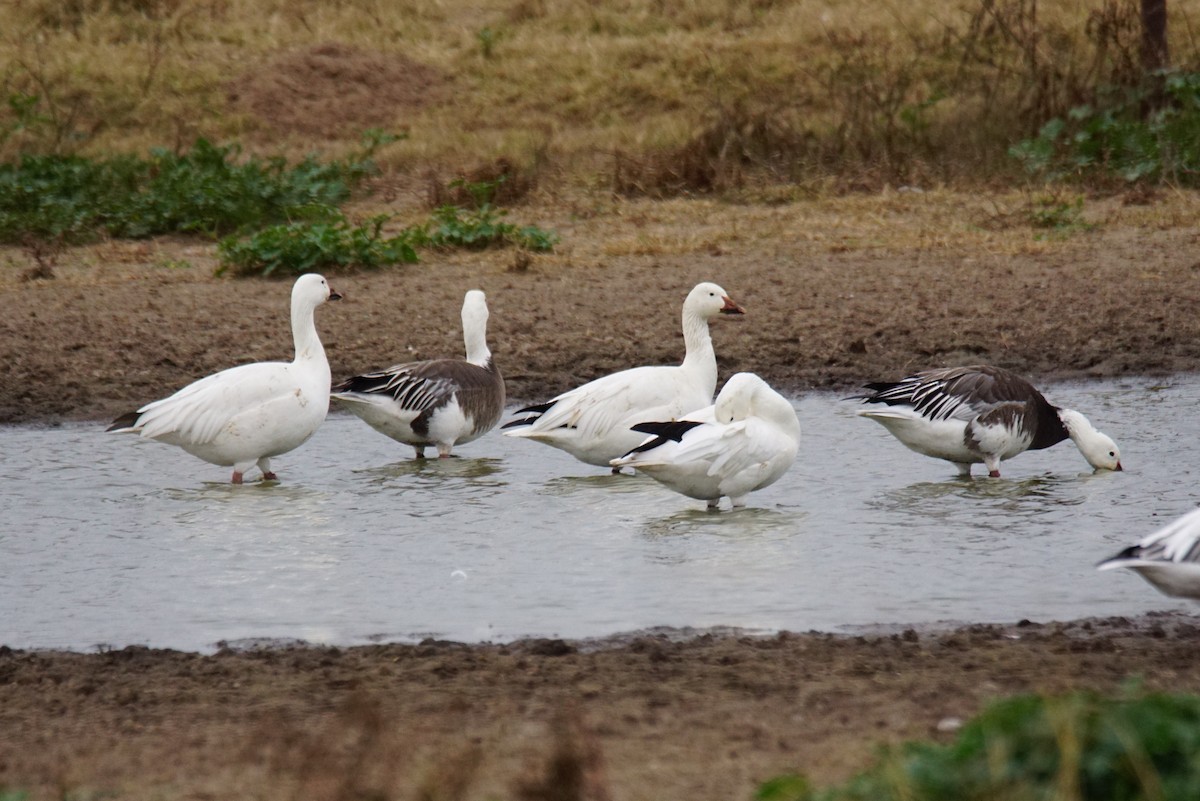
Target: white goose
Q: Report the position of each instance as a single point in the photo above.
(743, 442)
(593, 422)
(437, 403)
(243, 416)
(1169, 558)
(983, 414)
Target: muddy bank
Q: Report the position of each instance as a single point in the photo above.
(836, 294)
(831, 303)
(642, 717)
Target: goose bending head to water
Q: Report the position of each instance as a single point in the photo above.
(594, 422)
(1169, 558)
(243, 416)
(438, 403)
(986, 414)
(742, 443)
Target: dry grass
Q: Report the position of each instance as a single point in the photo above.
(654, 96)
(598, 229)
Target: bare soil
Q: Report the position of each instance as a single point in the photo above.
(837, 293)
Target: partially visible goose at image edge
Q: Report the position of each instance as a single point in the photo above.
(982, 413)
(594, 422)
(440, 402)
(243, 416)
(742, 443)
(1169, 558)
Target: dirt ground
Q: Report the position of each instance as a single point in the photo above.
(837, 293)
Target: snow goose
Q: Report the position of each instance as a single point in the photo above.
(980, 414)
(1169, 558)
(743, 442)
(243, 416)
(593, 422)
(437, 403)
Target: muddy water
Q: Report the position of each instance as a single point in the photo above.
(109, 541)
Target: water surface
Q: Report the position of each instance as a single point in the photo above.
(106, 540)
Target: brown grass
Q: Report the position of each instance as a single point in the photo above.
(679, 95)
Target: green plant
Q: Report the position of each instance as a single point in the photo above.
(64, 198)
(329, 246)
(454, 226)
(483, 226)
(487, 38)
(25, 113)
(208, 190)
(1053, 212)
(1076, 747)
(1150, 132)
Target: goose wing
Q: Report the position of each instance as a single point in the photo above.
(1178, 541)
(416, 386)
(197, 413)
(961, 393)
(599, 406)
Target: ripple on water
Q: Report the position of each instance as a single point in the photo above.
(109, 539)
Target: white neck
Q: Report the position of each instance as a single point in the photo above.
(699, 358)
(1076, 424)
(304, 332)
(475, 338)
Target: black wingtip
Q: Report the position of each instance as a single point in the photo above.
(1132, 552)
(537, 408)
(674, 429)
(128, 420)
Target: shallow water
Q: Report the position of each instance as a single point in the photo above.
(106, 540)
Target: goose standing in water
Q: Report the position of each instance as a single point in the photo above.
(742, 443)
(982, 414)
(243, 416)
(593, 422)
(1169, 558)
(438, 403)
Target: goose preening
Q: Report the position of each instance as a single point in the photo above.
(1169, 558)
(243, 416)
(439, 403)
(982, 414)
(743, 442)
(594, 422)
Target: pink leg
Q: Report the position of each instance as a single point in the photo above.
(994, 474)
(237, 477)
(269, 476)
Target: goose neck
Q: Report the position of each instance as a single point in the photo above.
(304, 332)
(475, 340)
(699, 355)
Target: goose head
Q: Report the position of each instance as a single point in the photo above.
(1098, 448)
(474, 309)
(707, 300)
(736, 399)
(745, 395)
(312, 290)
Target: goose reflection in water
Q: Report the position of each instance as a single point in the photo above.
(437, 469)
(744, 523)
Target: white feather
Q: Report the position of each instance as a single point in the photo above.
(592, 422)
(745, 441)
(245, 415)
(1169, 558)
(438, 403)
